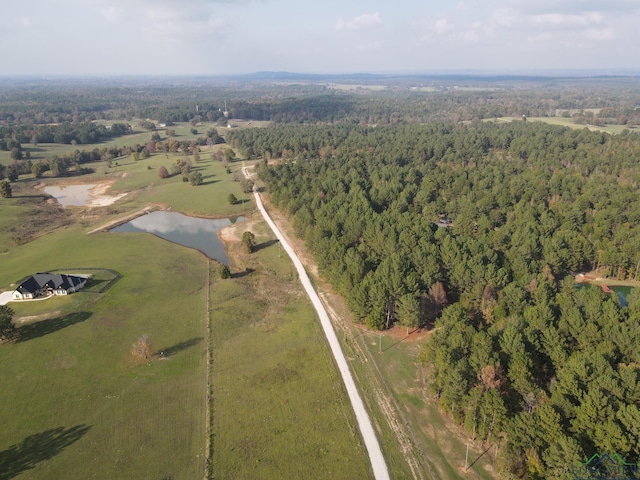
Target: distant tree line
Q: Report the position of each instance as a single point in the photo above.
(65, 133)
(455, 99)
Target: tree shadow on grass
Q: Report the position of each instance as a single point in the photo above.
(178, 347)
(264, 245)
(244, 273)
(209, 182)
(396, 343)
(45, 327)
(479, 457)
(37, 448)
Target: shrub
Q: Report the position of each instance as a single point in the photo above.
(249, 241)
(195, 178)
(225, 272)
(5, 189)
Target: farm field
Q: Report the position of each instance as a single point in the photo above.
(81, 402)
(138, 135)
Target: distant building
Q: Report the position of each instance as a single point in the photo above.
(48, 284)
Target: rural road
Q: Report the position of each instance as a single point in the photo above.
(378, 463)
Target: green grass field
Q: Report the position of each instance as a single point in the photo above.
(77, 403)
(279, 406)
(80, 404)
(138, 135)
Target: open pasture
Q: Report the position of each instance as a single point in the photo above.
(79, 404)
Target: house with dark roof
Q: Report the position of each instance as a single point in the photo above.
(48, 284)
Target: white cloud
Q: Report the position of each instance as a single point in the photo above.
(26, 22)
(599, 34)
(561, 20)
(505, 17)
(364, 21)
(441, 26)
(112, 14)
(434, 28)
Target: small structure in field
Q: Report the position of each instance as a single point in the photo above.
(48, 284)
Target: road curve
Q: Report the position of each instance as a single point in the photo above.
(378, 463)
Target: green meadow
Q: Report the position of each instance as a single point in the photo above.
(43, 151)
(279, 406)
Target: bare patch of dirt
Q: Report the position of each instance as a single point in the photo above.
(233, 233)
(99, 197)
(35, 318)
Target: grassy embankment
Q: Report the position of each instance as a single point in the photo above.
(441, 443)
(79, 405)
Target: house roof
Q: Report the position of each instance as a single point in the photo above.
(53, 281)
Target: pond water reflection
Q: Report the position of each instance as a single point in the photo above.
(198, 233)
(70, 195)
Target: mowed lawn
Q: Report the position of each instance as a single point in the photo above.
(279, 406)
(76, 403)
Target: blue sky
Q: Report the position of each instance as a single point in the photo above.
(193, 37)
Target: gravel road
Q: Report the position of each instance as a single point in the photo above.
(364, 422)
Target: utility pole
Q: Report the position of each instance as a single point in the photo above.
(380, 343)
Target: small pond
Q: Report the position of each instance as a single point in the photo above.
(198, 233)
(622, 292)
(70, 195)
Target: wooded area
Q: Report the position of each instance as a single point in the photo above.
(519, 355)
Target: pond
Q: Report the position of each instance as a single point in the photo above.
(71, 195)
(85, 195)
(623, 293)
(198, 233)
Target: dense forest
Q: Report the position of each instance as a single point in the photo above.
(476, 231)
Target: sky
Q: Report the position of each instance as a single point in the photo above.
(221, 37)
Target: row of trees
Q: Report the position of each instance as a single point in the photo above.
(519, 356)
(66, 133)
